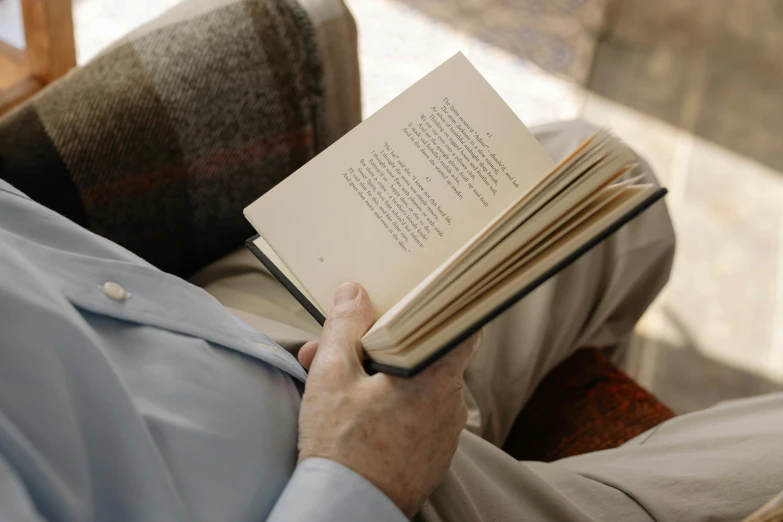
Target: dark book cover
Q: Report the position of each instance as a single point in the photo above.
(470, 329)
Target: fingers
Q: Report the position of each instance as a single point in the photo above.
(350, 317)
(307, 353)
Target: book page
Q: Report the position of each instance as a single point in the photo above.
(417, 348)
(269, 252)
(399, 194)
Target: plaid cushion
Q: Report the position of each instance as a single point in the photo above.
(163, 139)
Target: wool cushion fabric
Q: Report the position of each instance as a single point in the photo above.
(161, 140)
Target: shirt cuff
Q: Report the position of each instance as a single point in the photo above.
(324, 491)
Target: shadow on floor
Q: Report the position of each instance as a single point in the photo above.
(714, 68)
(557, 35)
(686, 380)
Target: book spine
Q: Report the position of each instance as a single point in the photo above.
(310, 307)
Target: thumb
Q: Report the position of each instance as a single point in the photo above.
(351, 316)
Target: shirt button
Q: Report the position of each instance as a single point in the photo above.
(115, 291)
(266, 347)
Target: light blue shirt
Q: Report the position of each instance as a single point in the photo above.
(148, 403)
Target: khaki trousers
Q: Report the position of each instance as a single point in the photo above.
(719, 464)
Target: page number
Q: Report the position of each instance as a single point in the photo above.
(321, 259)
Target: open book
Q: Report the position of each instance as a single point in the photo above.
(446, 209)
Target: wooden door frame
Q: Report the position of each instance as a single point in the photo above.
(49, 52)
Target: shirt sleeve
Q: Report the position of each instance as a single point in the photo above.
(322, 490)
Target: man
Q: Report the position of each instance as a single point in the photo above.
(128, 394)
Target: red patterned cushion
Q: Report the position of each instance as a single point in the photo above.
(585, 404)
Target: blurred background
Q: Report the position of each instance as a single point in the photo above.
(695, 86)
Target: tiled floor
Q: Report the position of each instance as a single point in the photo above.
(717, 331)
(559, 36)
(713, 72)
(694, 85)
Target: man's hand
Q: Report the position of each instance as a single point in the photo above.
(400, 434)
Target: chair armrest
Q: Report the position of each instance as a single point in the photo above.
(161, 140)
